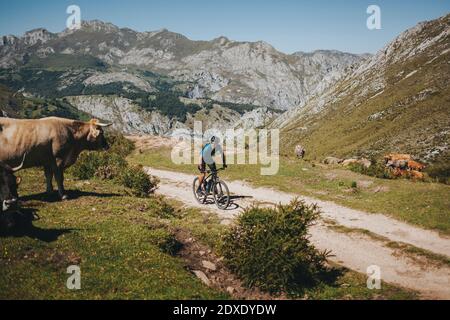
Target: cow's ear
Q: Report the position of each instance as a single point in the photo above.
(93, 133)
(18, 180)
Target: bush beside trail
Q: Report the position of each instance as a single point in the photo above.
(111, 165)
(269, 248)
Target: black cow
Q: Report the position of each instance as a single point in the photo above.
(8, 187)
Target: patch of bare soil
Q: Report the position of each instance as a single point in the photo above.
(210, 269)
(148, 142)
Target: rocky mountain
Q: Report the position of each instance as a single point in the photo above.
(222, 70)
(128, 117)
(396, 101)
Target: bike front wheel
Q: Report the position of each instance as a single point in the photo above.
(199, 196)
(221, 195)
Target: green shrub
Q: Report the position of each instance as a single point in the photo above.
(119, 144)
(377, 169)
(112, 165)
(163, 209)
(104, 165)
(440, 172)
(354, 184)
(140, 183)
(269, 248)
(166, 241)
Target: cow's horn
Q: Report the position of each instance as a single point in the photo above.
(21, 165)
(104, 125)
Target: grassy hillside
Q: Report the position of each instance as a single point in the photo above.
(399, 104)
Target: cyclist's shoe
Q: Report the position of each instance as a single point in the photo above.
(200, 192)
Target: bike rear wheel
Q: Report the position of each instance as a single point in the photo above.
(221, 195)
(201, 198)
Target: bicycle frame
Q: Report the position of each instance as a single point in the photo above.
(212, 176)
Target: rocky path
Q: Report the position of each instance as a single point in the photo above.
(354, 250)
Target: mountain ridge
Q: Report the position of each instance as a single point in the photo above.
(221, 69)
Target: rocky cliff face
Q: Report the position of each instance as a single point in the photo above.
(128, 117)
(221, 69)
(125, 115)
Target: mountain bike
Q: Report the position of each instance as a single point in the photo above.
(212, 185)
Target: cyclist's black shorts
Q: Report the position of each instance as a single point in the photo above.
(202, 166)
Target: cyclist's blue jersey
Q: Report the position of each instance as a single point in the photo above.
(207, 150)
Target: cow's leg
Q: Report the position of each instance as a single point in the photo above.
(58, 170)
(49, 179)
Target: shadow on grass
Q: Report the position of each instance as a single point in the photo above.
(72, 194)
(328, 277)
(20, 224)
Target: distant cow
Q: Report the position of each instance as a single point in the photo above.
(8, 187)
(300, 152)
(416, 175)
(52, 143)
(398, 172)
(414, 165)
(393, 157)
(401, 164)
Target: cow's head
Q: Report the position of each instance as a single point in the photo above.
(8, 187)
(96, 137)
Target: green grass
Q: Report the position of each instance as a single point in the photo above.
(114, 239)
(107, 233)
(418, 203)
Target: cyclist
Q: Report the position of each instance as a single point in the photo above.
(207, 158)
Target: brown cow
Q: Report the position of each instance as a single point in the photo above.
(414, 165)
(416, 175)
(398, 172)
(52, 143)
(396, 157)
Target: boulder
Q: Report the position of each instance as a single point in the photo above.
(332, 160)
(348, 162)
(365, 162)
(202, 276)
(209, 265)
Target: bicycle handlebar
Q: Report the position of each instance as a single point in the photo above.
(210, 171)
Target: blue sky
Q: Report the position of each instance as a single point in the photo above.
(289, 25)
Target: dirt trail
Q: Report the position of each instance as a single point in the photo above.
(355, 251)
